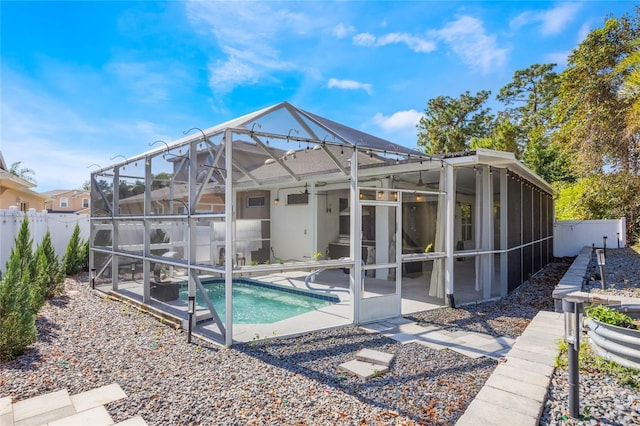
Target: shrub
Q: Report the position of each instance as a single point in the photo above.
(56, 274)
(609, 315)
(72, 261)
(17, 319)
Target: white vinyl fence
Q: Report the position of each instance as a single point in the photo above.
(60, 225)
(570, 236)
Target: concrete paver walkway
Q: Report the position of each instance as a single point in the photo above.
(61, 409)
(468, 343)
(516, 391)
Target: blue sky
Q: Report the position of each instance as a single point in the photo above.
(82, 82)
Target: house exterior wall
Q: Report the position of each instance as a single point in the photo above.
(23, 200)
(75, 201)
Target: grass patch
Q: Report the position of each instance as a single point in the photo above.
(591, 363)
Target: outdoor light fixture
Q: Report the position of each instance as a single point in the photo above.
(276, 201)
(93, 278)
(600, 256)
(572, 308)
(380, 194)
(191, 309)
(419, 197)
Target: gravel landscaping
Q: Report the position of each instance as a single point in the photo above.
(88, 341)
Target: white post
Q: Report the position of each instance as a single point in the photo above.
(146, 265)
(115, 237)
(450, 200)
(355, 239)
(229, 211)
(504, 234)
(487, 231)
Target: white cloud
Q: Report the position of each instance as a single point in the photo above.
(144, 82)
(398, 121)
(417, 44)
(349, 85)
(341, 30)
(584, 30)
(552, 21)
(468, 39)
(559, 58)
(58, 141)
(364, 39)
(247, 45)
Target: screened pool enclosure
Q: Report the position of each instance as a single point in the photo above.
(291, 203)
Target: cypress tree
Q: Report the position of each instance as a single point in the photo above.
(71, 261)
(56, 275)
(17, 319)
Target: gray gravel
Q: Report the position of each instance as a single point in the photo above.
(88, 341)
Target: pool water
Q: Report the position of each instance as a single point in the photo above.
(260, 303)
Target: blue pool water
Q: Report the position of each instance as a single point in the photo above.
(260, 303)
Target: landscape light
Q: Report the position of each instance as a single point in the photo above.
(572, 308)
(191, 309)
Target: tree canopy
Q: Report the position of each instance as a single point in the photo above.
(578, 129)
(450, 124)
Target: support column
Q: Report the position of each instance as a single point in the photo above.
(191, 226)
(115, 234)
(146, 265)
(355, 239)
(229, 212)
(450, 200)
(486, 242)
(504, 232)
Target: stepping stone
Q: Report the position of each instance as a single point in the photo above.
(401, 337)
(6, 411)
(97, 416)
(96, 397)
(375, 357)
(43, 409)
(364, 370)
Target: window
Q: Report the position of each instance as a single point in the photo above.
(466, 222)
(24, 206)
(85, 203)
(302, 198)
(255, 201)
(64, 202)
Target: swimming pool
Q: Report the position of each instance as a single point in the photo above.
(260, 303)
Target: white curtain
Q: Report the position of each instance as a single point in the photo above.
(436, 288)
(477, 223)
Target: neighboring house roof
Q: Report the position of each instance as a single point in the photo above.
(57, 192)
(11, 181)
